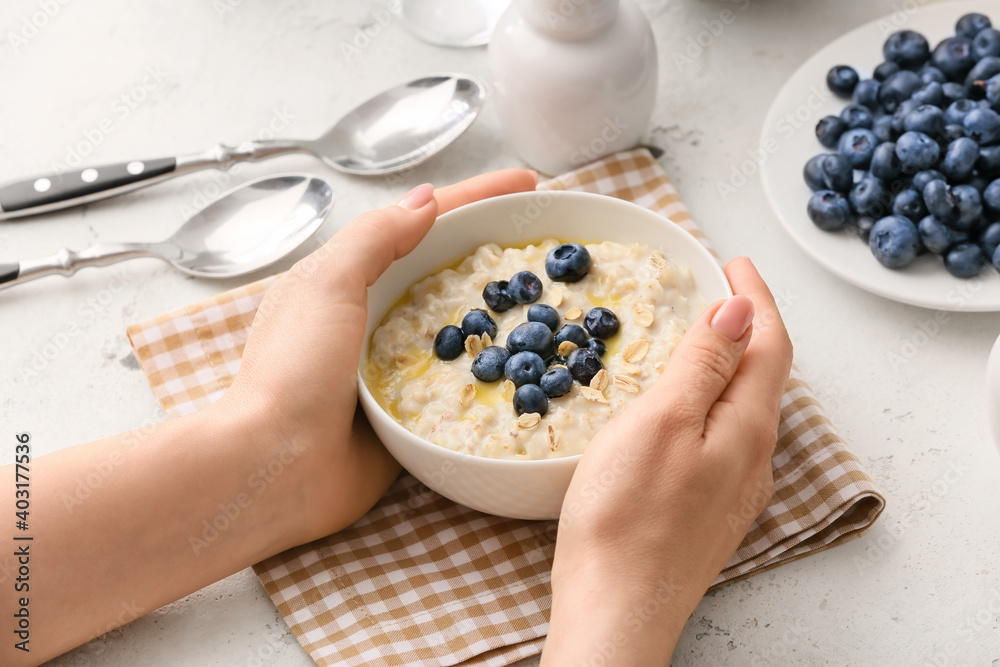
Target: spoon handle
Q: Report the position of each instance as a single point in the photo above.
(67, 262)
(50, 192)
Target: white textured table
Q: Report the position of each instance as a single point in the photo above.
(922, 587)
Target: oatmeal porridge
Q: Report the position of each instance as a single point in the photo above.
(525, 353)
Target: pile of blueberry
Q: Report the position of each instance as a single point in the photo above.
(917, 167)
(532, 360)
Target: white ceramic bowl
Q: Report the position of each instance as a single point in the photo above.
(516, 489)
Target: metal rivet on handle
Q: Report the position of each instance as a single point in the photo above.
(89, 175)
(135, 168)
(43, 185)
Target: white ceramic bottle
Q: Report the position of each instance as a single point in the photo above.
(574, 79)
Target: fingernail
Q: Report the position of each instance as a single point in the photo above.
(734, 317)
(535, 174)
(417, 197)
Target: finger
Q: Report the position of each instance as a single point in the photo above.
(761, 378)
(367, 245)
(705, 360)
(502, 182)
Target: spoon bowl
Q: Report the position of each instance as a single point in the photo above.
(251, 226)
(403, 126)
(247, 228)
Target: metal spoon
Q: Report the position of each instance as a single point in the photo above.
(393, 131)
(245, 229)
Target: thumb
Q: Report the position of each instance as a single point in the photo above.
(367, 245)
(705, 360)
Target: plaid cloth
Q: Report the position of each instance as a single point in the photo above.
(421, 580)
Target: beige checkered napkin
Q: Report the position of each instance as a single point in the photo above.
(421, 580)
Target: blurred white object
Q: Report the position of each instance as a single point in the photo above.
(457, 23)
(574, 80)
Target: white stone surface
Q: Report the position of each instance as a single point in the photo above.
(922, 586)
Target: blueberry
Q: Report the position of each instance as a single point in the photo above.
(829, 129)
(866, 93)
(856, 115)
(524, 287)
(991, 197)
(545, 314)
(964, 260)
(496, 297)
(935, 235)
(910, 204)
(991, 88)
(603, 323)
(477, 323)
(988, 162)
(983, 126)
(916, 151)
(584, 364)
(907, 48)
(996, 259)
(922, 178)
(870, 198)
(983, 70)
(899, 115)
(939, 201)
(489, 364)
(598, 346)
(953, 56)
(970, 24)
(931, 74)
(969, 205)
(829, 210)
(533, 337)
(812, 172)
(894, 241)
(958, 110)
(896, 88)
(841, 79)
(556, 382)
(949, 134)
(838, 175)
(926, 118)
(929, 93)
(524, 368)
(567, 263)
(530, 398)
(989, 239)
(858, 146)
(885, 70)
(952, 91)
(885, 164)
(960, 159)
(986, 43)
(572, 333)
(449, 343)
(883, 129)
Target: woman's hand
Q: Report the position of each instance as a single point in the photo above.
(665, 492)
(298, 375)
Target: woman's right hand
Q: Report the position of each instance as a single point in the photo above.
(666, 491)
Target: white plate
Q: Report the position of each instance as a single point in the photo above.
(789, 140)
